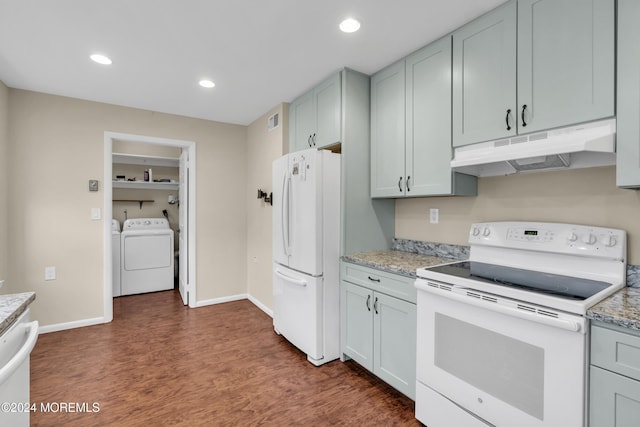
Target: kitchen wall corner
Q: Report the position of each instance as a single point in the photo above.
(263, 147)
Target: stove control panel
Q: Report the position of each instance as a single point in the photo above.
(551, 237)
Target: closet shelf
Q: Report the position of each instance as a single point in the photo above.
(146, 185)
(133, 201)
(137, 159)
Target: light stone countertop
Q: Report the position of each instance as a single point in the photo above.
(621, 308)
(396, 262)
(12, 306)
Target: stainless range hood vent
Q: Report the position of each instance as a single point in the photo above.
(588, 145)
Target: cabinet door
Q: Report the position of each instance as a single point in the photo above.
(565, 62)
(387, 132)
(628, 111)
(301, 122)
(614, 400)
(484, 77)
(395, 342)
(428, 120)
(357, 324)
(328, 112)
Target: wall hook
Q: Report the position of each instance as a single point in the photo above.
(268, 198)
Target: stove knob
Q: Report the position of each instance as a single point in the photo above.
(486, 231)
(573, 237)
(609, 240)
(589, 239)
(475, 231)
(147, 222)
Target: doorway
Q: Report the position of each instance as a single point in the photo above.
(187, 214)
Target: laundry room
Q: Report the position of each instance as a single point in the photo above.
(145, 187)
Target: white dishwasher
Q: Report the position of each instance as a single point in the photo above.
(15, 347)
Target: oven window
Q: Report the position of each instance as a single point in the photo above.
(506, 368)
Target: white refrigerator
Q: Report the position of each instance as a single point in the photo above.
(306, 246)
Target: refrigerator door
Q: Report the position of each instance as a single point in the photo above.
(305, 211)
(297, 309)
(280, 220)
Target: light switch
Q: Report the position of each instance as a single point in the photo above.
(95, 213)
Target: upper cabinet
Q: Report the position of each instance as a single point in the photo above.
(315, 117)
(387, 132)
(411, 127)
(533, 65)
(484, 77)
(628, 111)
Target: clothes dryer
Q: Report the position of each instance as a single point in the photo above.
(146, 256)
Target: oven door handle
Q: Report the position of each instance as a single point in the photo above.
(23, 353)
(497, 307)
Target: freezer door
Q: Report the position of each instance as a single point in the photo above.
(297, 309)
(305, 211)
(280, 218)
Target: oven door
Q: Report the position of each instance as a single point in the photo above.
(485, 360)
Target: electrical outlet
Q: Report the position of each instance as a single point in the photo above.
(49, 273)
(434, 215)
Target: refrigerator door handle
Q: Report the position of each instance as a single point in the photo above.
(285, 213)
(299, 282)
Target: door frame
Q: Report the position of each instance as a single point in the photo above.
(109, 137)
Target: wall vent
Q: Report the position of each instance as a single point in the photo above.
(273, 122)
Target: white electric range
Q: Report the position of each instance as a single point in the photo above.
(502, 338)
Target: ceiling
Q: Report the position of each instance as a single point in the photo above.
(259, 53)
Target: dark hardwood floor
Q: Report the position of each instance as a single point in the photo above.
(159, 363)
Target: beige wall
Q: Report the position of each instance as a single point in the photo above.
(4, 186)
(263, 147)
(582, 196)
(56, 145)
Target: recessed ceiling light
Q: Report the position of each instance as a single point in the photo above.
(349, 25)
(207, 83)
(100, 59)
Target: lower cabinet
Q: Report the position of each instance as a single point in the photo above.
(614, 377)
(379, 330)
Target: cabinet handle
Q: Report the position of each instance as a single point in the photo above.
(313, 139)
(524, 108)
(309, 140)
(507, 119)
(400, 184)
(373, 280)
(375, 305)
(408, 180)
(369, 302)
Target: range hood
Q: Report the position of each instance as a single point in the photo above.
(586, 145)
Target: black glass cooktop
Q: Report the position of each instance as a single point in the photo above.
(534, 281)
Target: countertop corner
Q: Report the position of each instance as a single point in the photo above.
(621, 308)
(12, 306)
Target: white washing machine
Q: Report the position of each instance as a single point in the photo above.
(146, 256)
(115, 257)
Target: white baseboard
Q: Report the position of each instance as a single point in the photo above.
(238, 297)
(100, 320)
(221, 300)
(260, 305)
(70, 325)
